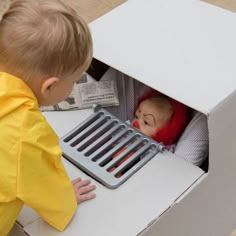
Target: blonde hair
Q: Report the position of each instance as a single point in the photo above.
(43, 38)
(163, 105)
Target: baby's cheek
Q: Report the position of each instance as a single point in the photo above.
(150, 132)
(145, 130)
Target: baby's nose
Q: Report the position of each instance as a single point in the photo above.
(136, 124)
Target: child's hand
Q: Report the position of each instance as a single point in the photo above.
(82, 190)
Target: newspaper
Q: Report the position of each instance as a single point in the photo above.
(87, 92)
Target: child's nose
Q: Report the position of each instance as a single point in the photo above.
(136, 124)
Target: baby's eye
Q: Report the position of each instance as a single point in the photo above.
(146, 123)
(136, 116)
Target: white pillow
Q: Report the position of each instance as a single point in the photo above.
(193, 145)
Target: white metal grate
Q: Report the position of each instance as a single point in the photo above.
(108, 149)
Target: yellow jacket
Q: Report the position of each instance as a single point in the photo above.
(31, 170)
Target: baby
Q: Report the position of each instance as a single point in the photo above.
(160, 118)
(152, 115)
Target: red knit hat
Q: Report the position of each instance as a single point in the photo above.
(173, 129)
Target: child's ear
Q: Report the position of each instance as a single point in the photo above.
(48, 85)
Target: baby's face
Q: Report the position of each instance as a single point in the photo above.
(148, 118)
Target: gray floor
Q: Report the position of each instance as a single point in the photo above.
(17, 231)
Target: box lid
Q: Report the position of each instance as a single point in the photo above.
(185, 49)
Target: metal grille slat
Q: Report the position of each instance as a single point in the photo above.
(77, 139)
(134, 168)
(93, 135)
(108, 149)
(123, 154)
(76, 131)
(115, 149)
(131, 159)
(96, 145)
(109, 143)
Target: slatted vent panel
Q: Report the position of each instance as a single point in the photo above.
(108, 149)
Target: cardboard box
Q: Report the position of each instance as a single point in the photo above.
(185, 49)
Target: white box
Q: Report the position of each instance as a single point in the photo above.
(185, 49)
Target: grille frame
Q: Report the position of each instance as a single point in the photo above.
(91, 147)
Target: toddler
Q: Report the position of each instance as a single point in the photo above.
(44, 49)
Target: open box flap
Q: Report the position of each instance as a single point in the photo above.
(130, 208)
(185, 49)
